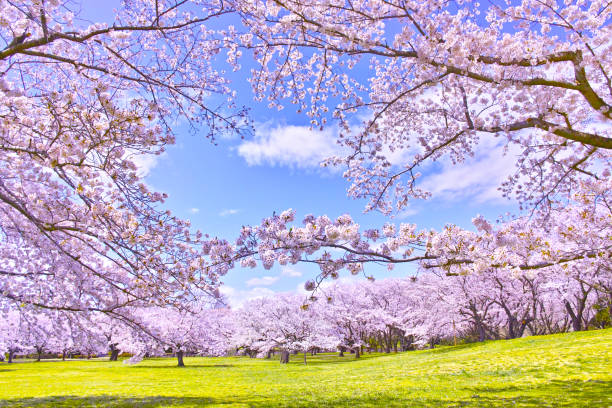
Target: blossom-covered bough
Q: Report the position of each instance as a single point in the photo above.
(81, 105)
(577, 236)
(433, 78)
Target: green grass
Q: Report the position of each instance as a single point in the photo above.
(568, 370)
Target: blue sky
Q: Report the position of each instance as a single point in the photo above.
(239, 182)
(220, 188)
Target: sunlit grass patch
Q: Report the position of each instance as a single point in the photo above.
(567, 370)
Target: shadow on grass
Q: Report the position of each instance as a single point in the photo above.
(114, 401)
(187, 365)
(448, 349)
(326, 359)
(563, 394)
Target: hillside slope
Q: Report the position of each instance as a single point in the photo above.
(566, 370)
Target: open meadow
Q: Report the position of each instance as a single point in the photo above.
(207, 182)
(565, 370)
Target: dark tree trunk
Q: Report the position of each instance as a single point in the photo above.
(521, 329)
(284, 357)
(10, 356)
(269, 354)
(576, 319)
(39, 351)
(341, 351)
(482, 334)
(357, 352)
(387, 342)
(179, 357)
(114, 352)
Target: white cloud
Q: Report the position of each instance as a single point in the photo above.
(290, 272)
(407, 212)
(289, 145)
(145, 163)
(236, 297)
(477, 178)
(228, 211)
(263, 281)
(327, 283)
(194, 210)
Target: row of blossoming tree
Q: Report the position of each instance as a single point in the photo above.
(81, 234)
(385, 315)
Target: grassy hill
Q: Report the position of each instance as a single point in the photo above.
(566, 370)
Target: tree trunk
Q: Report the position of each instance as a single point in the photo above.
(179, 356)
(10, 356)
(341, 353)
(114, 352)
(482, 334)
(576, 320)
(523, 326)
(357, 353)
(63, 356)
(284, 357)
(269, 354)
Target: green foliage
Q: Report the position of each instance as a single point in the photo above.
(602, 316)
(565, 370)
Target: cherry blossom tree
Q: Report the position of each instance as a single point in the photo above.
(285, 322)
(345, 307)
(198, 330)
(432, 311)
(37, 331)
(438, 79)
(434, 79)
(81, 103)
(12, 334)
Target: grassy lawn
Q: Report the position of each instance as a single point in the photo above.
(568, 370)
